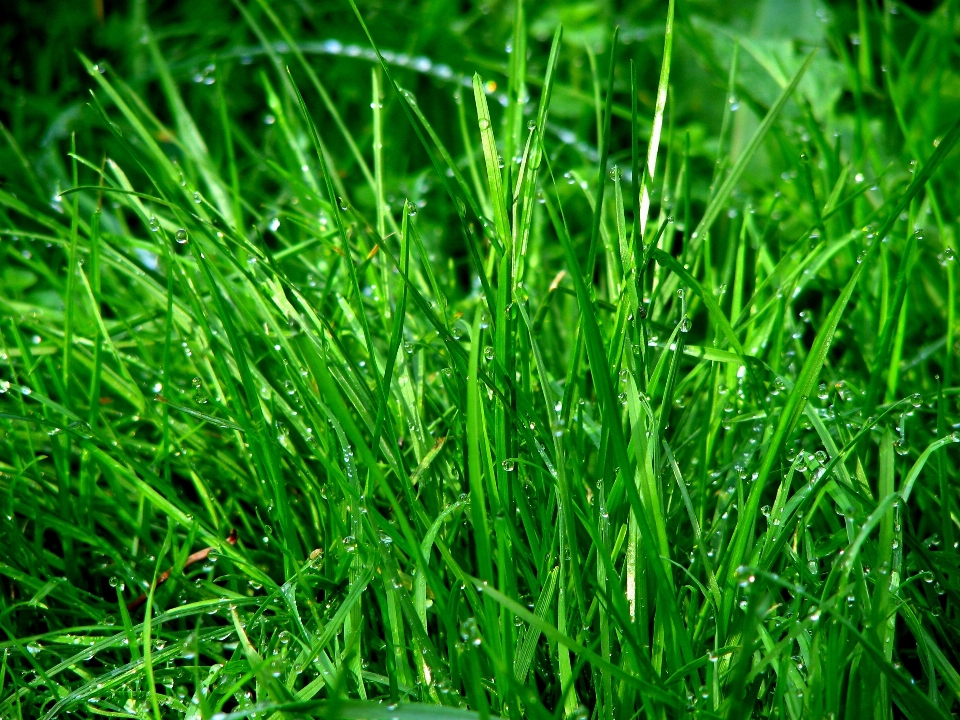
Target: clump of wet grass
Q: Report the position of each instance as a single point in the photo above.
(478, 407)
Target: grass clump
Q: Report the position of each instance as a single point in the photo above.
(547, 393)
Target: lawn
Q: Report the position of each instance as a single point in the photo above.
(466, 360)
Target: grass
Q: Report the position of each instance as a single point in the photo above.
(614, 381)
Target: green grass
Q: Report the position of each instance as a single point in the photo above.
(613, 381)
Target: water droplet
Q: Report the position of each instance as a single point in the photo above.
(181, 236)
(154, 223)
(484, 123)
(470, 632)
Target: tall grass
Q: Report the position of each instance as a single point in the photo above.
(603, 421)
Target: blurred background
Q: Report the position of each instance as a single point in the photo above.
(44, 91)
